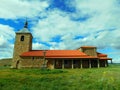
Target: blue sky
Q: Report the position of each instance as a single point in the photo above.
(62, 24)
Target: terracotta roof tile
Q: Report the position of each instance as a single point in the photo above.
(101, 55)
(62, 54)
(57, 53)
(105, 58)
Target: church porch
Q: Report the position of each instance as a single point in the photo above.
(74, 63)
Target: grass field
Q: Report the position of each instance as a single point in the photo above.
(68, 79)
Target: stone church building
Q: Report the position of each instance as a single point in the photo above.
(25, 57)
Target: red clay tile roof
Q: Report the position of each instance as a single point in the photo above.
(62, 54)
(57, 54)
(87, 57)
(105, 58)
(101, 55)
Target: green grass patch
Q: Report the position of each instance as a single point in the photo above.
(58, 79)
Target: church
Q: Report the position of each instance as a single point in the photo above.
(25, 57)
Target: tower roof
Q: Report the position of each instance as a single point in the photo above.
(25, 29)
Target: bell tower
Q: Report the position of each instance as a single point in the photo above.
(23, 43)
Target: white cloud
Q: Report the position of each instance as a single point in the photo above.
(6, 35)
(101, 29)
(105, 11)
(6, 52)
(6, 32)
(21, 8)
(2, 41)
(57, 23)
(39, 46)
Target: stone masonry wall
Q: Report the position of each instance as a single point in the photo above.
(21, 46)
(30, 62)
(89, 51)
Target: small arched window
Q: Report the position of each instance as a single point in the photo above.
(22, 38)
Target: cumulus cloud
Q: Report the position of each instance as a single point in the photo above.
(21, 8)
(89, 22)
(39, 46)
(7, 34)
(57, 23)
(104, 14)
(96, 21)
(97, 29)
(6, 51)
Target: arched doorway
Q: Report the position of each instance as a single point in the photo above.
(17, 64)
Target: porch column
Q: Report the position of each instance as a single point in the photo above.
(62, 64)
(81, 64)
(72, 64)
(105, 63)
(98, 63)
(89, 63)
(53, 64)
